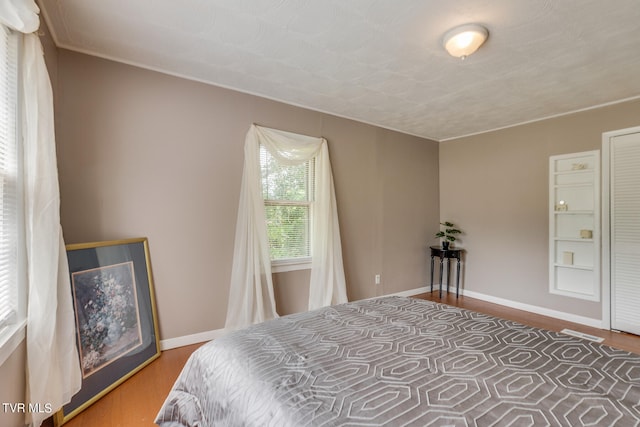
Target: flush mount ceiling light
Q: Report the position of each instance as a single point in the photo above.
(462, 41)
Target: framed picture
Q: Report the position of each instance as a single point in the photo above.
(116, 322)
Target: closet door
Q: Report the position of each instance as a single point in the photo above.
(625, 232)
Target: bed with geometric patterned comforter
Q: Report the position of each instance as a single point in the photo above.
(403, 362)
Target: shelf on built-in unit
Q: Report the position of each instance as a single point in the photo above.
(572, 239)
(575, 267)
(573, 172)
(589, 212)
(575, 185)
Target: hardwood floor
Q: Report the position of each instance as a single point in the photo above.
(136, 402)
(619, 340)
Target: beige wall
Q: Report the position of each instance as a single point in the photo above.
(13, 385)
(495, 186)
(145, 154)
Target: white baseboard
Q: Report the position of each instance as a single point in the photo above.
(587, 321)
(412, 292)
(170, 343)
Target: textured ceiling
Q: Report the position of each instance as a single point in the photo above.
(377, 61)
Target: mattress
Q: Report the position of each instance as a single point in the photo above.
(403, 362)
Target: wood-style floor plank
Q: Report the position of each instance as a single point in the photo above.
(619, 340)
(136, 402)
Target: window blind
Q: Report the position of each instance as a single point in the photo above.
(8, 176)
(288, 194)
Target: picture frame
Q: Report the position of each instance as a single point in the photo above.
(115, 316)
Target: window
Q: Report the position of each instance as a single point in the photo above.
(288, 193)
(9, 183)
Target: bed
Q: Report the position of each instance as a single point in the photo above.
(403, 362)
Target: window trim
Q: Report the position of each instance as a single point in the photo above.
(10, 339)
(291, 264)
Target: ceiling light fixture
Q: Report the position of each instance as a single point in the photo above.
(462, 41)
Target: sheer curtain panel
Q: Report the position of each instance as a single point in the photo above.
(53, 370)
(251, 298)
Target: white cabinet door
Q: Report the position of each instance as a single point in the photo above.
(625, 232)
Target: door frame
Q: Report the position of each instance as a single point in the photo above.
(606, 220)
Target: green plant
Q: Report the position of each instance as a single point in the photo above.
(449, 232)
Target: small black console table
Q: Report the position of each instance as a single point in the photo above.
(448, 254)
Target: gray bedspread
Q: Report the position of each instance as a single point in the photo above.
(402, 361)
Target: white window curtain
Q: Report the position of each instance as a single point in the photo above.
(53, 370)
(251, 298)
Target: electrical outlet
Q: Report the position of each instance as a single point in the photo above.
(377, 279)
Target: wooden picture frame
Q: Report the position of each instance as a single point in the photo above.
(115, 313)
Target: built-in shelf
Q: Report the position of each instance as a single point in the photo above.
(574, 234)
(584, 212)
(573, 172)
(577, 267)
(572, 185)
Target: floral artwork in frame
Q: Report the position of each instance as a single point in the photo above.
(115, 316)
(107, 317)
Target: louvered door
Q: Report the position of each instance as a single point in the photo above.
(625, 232)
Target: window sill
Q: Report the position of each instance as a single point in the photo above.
(282, 266)
(10, 338)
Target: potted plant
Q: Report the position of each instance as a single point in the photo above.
(448, 235)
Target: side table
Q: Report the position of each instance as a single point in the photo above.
(448, 254)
